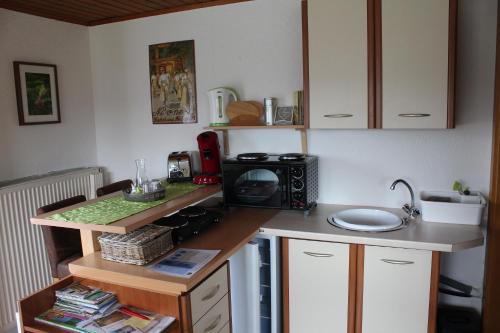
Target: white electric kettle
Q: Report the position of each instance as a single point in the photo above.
(219, 98)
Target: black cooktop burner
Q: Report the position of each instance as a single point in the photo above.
(292, 157)
(252, 157)
(192, 211)
(173, 221)
(189, 222)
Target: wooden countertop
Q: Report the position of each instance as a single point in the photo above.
(238, 227)
(418, 235)
(133, 222)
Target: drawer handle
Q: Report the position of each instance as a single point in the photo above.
(318, 255)
(414, 115)
(214, 324)
(212, 293)
(338, 115)
(397, 262)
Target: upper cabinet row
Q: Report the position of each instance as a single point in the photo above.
(379, 63)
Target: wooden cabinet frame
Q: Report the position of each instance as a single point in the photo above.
(374, 58)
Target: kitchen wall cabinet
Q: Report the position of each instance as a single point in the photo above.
(338, 66)
(318, 285)
(379, 63)
(333, 287)
(396, 290)
(415, 63)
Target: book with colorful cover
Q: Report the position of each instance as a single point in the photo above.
(74, 306)
(84, 294)
(127, 319)
(62, 319)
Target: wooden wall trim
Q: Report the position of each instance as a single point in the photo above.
(285, 284)
(165, 11)
(377, 31)
(351, 302)
(371, 64)
(491, 305)
(305, 62)
(360, 275)
(434, 292)
(452, 60)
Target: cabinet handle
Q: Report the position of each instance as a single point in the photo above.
(212, 293)
(338, 115)
(414, 115)
(318, 255)
(214, 324)
(397, 262)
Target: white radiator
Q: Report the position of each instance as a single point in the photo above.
(24, 267)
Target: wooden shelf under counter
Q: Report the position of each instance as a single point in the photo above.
(39, 302)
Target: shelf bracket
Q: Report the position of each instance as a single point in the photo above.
(303, 140)
(225, 142)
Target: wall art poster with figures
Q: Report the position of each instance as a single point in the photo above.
(173, 83)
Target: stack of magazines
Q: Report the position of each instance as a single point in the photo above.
(84, 300)
(91, 310)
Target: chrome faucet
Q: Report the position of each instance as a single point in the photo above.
(410, 209)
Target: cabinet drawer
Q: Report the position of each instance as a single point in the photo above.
(401, 278)
(318, 286)
(208, 293)
(215, 319)
(44, 299)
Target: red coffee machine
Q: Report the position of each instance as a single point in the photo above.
(208, 145)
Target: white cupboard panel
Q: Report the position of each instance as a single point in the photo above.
(415, 63)
(338, 65)
(396, 290)
(318, 286)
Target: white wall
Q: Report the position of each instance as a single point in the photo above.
(255, 47)
(27, 150)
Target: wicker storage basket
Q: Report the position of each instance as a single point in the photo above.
(138, 247)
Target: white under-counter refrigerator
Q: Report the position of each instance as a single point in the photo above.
(256, 286)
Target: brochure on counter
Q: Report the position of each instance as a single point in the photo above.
(184, 262)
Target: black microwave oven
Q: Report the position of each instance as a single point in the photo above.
(288, 181)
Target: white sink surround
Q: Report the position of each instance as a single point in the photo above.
(417, 235)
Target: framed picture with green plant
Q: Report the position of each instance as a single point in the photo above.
(37, 93)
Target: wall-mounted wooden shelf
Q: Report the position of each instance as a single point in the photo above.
(222, 128)
(225, 136)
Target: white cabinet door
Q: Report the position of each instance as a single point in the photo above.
(338, 63)
(396, 290)
(318, 286)
(415, 63)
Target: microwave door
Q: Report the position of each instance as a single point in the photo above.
(255, 186)
(245, 289)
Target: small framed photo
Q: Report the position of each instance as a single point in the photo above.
(37, 93)
(284, 115)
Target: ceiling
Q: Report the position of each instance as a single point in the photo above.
(95, 12)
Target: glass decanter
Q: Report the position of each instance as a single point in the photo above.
(141, 180)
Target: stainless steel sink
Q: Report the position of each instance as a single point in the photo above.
(366, 219)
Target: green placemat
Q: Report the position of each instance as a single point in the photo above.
(116, 208)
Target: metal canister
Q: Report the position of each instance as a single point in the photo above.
(270, 104)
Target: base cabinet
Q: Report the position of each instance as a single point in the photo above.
(318, 285)
(334, 287)
(204, 309)
(396, 290)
